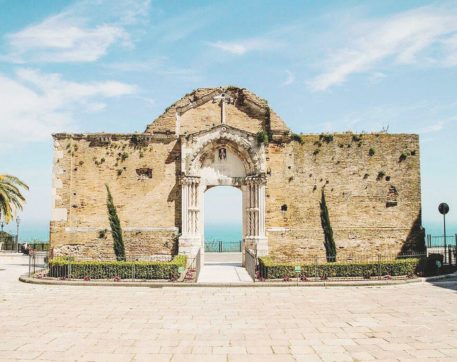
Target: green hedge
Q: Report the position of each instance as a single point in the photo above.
(65, 268)
(269, 269)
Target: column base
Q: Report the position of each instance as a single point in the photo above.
(257, 243)
(189, 246)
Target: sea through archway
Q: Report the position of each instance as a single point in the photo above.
(223, 220)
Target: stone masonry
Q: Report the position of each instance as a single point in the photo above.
(371, 182)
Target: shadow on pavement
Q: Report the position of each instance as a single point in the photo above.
(448, 283)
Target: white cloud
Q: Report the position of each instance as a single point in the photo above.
(34, 104)
(290, 79)
(72, 36)
(450, 45)
(376, 77)
(401, 38)
(436, 127)
(244, 46)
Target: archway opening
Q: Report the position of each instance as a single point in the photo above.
(223, 221)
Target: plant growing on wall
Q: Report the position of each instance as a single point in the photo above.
(297, 138)
(262, 137)
(116, 230)
(329, 242)
(327, 138)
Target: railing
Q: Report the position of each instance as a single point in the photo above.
(219, 246)
(38, 260)
(136, 267)
(250, 260)
(445, 246)
(440, 241)
(344, 267)
(24, 247)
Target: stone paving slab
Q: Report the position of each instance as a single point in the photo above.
(224, 273)
(408, 322)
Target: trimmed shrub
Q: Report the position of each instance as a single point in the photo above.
(63, 267)
(270, 269)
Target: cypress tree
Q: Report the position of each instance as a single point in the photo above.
(329, 242)
(116, 230)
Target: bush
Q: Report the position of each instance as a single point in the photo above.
(277, 270)
(433, 264)
(262, 137)
(62, 268)
(327, 138)
(297, 138)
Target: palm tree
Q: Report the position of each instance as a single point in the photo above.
(11, 199)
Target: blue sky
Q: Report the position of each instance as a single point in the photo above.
(114, 66)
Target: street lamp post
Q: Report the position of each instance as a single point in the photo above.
(18, 220)
(443, 208)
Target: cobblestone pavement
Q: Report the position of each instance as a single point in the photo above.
(407, 322)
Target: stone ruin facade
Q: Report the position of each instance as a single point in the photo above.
(229, 136)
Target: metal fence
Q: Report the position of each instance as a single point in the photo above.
(440, 241)
(219, 246)
(344, 268)
(128, 257)
(445, 246)
(347, 257)
(38, 261)
(250, 263)
(24, 247)
(137, 267)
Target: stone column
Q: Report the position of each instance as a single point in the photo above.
(255, 237)
(262, 241)
(190, 239)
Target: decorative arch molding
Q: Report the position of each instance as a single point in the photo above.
(243, 143)
(245, 168)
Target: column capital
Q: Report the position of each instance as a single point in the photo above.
(189, 180)
(259, 179)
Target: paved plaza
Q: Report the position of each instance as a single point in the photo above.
(406, 322)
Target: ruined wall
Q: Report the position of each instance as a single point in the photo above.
(198, 111)
(371, 184)
(141, 173)
(372, 189)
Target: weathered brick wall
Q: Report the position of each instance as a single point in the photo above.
(142, 180)
(372, 190)
(371, 183)
(196, 111)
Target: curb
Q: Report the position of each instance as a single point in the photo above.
(26, 279)
(164, 284)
